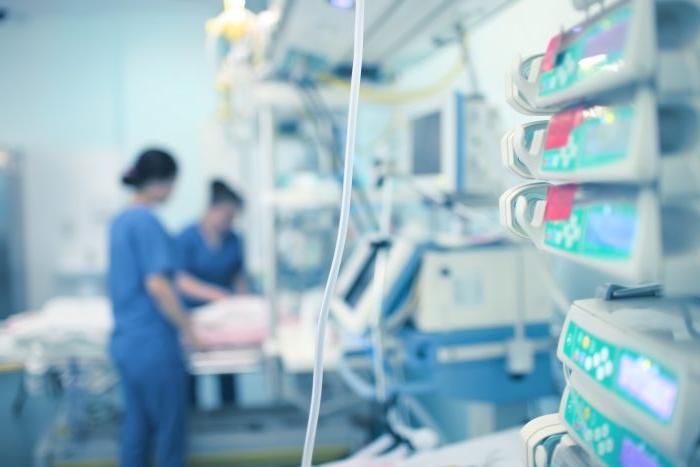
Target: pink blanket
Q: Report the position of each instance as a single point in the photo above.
(240, 321)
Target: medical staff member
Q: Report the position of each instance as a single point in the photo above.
(149, 320)
(211, 256)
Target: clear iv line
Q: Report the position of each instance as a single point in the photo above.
(317, 385)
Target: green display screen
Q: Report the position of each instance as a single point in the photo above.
(587, 138)
(597, 230)
(611, 443)
(586, 51)
(637, 378)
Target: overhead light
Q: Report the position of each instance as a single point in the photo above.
(234, 23)
(344, 4)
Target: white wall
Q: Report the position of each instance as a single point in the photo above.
(80, 94)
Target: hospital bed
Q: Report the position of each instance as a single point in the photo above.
(65, 343)
(79, 327)
(69, 336)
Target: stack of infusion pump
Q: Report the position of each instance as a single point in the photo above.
(615, 185)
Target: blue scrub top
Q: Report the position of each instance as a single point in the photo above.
(218, 266)
(139, 247)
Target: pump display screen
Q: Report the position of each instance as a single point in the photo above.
(427, 144)
(637, 378)
(610, 229)
(586, 138)
(633, 455)
(607, 135)
(641, 379)
(598, 230)
(586, 51)
(612, 443)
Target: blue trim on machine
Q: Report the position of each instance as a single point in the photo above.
(484, 380)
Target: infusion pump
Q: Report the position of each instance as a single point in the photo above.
(634, 379)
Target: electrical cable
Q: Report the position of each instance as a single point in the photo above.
(312, 111)
(376, 328)
(459, 211)
(361, 193)
(336, 162)
(395, 97)
(380, 270)
(472, 78)
(316, 106)
(566, 372)
(316, 100)
(422, 415)
(357, 384)
(317, 384)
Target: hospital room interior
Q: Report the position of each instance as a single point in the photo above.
(350, 233)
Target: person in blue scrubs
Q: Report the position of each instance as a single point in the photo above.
(211, 255)
(149, 321)
(212, 267)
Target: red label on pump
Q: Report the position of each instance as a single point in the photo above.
(560, 127)
(560, 201)
(550, 55)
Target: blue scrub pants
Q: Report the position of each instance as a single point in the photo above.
(154, 391)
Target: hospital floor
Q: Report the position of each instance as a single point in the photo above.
(262, 437)
(265, 437)
(20, 432)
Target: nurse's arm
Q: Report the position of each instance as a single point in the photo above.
(241, 284)
(200, 290)
(162, 291)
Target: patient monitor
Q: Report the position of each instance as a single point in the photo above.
(430, 138)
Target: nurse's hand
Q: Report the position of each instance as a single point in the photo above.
(220, 294)
(190, 337)
(160, 288)
(200, 290)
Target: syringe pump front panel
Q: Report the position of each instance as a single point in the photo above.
(631, 43)
(640, 357)
(608, 440)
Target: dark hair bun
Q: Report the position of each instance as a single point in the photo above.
(217, 186)
(130, 178)
(220, 192)
(151, 165)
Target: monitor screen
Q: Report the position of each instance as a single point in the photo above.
(427, 149)
(362, 281)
